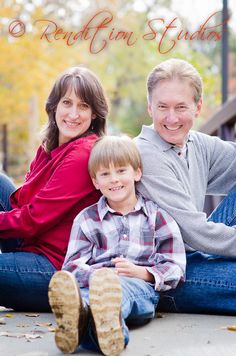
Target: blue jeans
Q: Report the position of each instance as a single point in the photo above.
(6, 189)
(139, 301)
(24, 276)
(210, 285)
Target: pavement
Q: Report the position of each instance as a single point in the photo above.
(32, 334)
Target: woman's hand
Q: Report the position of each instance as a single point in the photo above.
(128, 269)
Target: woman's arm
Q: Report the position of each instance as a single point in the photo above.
(69, 184)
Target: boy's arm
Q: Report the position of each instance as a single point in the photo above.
(167, 262)
(169, 257)
(127, 268)
(78, 254)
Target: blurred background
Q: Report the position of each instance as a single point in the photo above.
(29, 65)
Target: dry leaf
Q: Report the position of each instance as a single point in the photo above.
(231, 327)
(40, 332)
(17, 335)
(34, 353)
(9, 315)
(52, 329)
(32, 336)
(43, 324)
(20, 335)
(32, 315)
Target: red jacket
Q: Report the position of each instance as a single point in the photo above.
(56, 189)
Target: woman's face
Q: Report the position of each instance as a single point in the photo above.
(73, 117)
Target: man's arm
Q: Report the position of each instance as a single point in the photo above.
(160, 183)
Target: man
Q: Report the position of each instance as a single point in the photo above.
(180, 167)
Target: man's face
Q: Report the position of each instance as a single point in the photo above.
(172, 109)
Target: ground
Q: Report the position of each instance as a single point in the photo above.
(32, 334)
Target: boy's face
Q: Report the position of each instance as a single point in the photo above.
(117, 184)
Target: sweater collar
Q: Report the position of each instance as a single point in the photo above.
(150, 134)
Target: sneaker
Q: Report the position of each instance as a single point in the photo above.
(66, 304)
(105, 297)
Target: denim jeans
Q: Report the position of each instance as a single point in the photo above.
(24, 276)
(210, 285)
(139, 301)
(6, 189)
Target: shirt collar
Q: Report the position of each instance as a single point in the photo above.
(104, 208)
(150, 134)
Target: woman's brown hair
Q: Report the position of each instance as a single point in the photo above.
(89, 89)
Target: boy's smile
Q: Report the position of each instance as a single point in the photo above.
(116, 188)
(117, 184)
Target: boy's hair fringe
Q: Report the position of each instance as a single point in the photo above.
(116, 150)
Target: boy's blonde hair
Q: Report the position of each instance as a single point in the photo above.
(116, 150)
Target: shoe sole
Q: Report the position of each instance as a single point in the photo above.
(105, 297)
(65, 302)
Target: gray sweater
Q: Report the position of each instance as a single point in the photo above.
(180, 188)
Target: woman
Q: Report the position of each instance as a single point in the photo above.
(35, 223)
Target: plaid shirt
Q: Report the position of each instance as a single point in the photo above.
(146, 236)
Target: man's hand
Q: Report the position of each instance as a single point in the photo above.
(128, 269)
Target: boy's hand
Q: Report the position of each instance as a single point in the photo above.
(128, 269)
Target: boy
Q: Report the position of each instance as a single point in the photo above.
(123, 250)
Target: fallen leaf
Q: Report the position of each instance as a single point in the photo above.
(231, 327)
(40, 332)
(17, 335)
(34, 353)
(20, 335)
(9, 315)
(23, 325)
(32, 315)
(52, 329)
(43, 324)
(32, 336)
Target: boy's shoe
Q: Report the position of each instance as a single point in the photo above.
(66, 303)
(105, 297)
